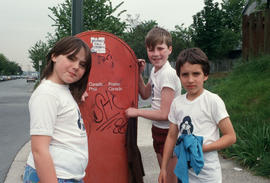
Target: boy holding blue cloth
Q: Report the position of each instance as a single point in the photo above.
(196, 118)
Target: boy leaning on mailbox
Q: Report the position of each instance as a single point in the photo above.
(163, 86)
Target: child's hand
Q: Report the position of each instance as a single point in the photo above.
(162, 176)
(84, 96)
(141, 63)
(131, 112)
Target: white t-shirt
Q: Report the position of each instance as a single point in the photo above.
(201, 117)
(55, 113)
(165, 77)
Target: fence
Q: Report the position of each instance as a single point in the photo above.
(222, 65)
(256, 34)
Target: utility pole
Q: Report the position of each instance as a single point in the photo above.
(77, 17)
(39, 64)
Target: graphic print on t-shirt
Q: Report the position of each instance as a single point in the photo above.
(80, 121)
(186, 126)
(153, 90)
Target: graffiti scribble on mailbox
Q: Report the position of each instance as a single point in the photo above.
(105, 58)
(107, 114)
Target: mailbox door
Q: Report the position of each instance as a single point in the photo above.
(112, 88)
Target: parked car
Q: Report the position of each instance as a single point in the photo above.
(4, 78)
(31, 79)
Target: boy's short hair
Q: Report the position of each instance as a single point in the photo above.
(156, 36)
(193, 56)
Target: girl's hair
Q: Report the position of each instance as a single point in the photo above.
(67, 45)
(156, 36)
(193, 56)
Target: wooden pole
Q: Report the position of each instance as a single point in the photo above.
(267, 32)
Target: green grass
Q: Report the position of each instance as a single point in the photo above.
(246, 93)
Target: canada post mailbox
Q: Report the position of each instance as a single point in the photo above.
(112, 88)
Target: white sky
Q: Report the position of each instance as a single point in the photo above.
(24, 22)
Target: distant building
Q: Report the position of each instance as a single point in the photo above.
(256, 29)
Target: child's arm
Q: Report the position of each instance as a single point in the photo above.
(42, 158)
(144, 89)
(228, 136)
(167, 96)
(168, 151)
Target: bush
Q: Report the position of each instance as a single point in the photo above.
(246, 93)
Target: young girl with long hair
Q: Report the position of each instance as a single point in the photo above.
(59, 148)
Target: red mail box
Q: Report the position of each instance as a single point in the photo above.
(112, 88)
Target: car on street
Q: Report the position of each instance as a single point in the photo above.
(31, 79)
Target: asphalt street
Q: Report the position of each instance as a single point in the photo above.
(14, 121)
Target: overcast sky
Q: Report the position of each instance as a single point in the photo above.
(24, 22)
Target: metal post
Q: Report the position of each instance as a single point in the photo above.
(39, 64)
(77, 17)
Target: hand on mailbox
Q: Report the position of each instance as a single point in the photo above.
(141, 63)
(131, 112)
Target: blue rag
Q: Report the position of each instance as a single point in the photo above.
(188, 150)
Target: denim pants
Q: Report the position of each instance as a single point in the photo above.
(30, 176)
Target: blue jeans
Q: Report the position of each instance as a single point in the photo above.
(30, 176)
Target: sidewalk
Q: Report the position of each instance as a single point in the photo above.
(231, 172)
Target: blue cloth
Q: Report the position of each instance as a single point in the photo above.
(188, 150)
(30, 176)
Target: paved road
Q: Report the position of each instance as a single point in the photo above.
(14, 121)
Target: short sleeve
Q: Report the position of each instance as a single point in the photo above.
(43, 113)
(171, 115)
(219, 111)
(169, 80)
(150, 80)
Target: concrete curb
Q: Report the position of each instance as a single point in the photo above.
(16, 169)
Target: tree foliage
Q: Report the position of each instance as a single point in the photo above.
(137, 30)
(61, 17)
(232, 14)
(97, 15)
(136, 35)
(207, 25)
(8, 67)
(37, 53)
(218, 30)
(181, 38)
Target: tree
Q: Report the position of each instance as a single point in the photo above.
(207, 28)
(37, 53)
(218, 31)
(3, 61)
(181, 39)
(136, 35)
(232, 14)
(232, 21)
(97, 15)
(132, 22)
(8, 67)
